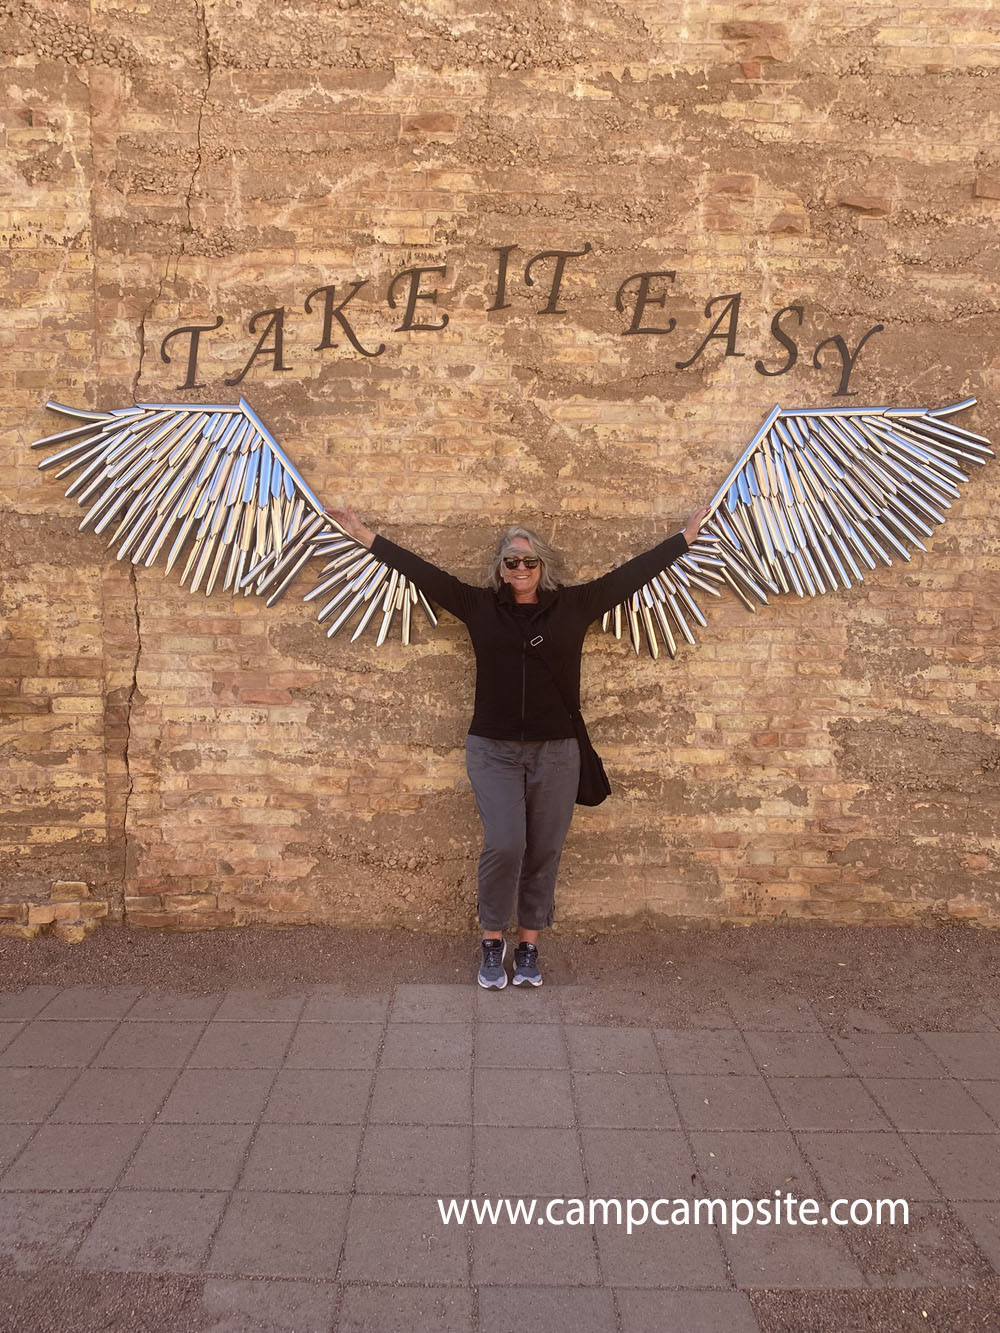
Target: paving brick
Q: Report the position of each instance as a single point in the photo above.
(795, 1054)
(525, 1161)
(238, 1045)
(231, 1304)
(57, 1043)
(519, 1004)
(982, 1222)
(422, 1097)
(613, 1050)
(751, 1164)
(779, 1015)
(217, 1096)
(114, 1096)
(85, 1003)
(155, 1045)
(827, 1103)
(863, 1164)
(334, 1046)
(963, 1166)
(632, 1004)
(685, 1312)
(152, 1232)
(967, 1054)
(427, 1046)
(729, 1101)
(644, 1163)
(21, 1005)
(932, 1251)
(8, 1031)
(432, 1004)
(987, 1095)
(12, 1140)
(890, 1055)
(692, 1051)
(37, 1230)
(319, 1096)
(661, 1257)
(850, 1021)
(403, 1240)
(791, 1257)
(514, 1097)
(188, 1157)
(73, 1157)
(928, 1105)
(167, 1006)
(29, 1094)
(520, 1255)
(585, 1310)
(257, 1006)
(329, 1004)
(416, 1159)
(308, 1158)
(403, 1309)
(624, 1101)
(521, 1046)
(280, 1235)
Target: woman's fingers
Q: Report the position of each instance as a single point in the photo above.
(694, 523)
(352, 525)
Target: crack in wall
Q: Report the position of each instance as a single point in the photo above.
(133, 690)
(201, 15)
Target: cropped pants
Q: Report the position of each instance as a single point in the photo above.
(525, 791)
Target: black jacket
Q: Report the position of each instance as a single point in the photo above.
(516, 697)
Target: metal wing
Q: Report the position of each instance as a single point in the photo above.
(819, 496)
(210, 485)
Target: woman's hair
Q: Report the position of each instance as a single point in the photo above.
(551, 567)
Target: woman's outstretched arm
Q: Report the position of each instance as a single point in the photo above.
(602, 594)
(455, 596)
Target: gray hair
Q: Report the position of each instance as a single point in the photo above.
(552, 564)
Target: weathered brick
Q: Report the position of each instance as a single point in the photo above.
(225, 763)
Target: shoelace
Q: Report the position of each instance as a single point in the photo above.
(493, 956)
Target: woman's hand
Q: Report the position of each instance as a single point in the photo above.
(692, 526)
(352, 525)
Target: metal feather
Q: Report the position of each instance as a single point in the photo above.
(816, 497)
(210, 484)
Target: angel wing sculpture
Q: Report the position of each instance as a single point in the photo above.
(213, 481)
(818, 496)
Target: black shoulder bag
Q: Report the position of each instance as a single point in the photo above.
(594, 785)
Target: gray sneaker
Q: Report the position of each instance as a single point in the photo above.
(492, 973)
(526, 971)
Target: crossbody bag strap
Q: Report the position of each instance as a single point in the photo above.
(537, 642)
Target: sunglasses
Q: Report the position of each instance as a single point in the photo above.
(528, 561)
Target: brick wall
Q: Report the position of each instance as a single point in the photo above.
(202, 761)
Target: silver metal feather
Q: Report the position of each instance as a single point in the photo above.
(209, 486)
(818, 497)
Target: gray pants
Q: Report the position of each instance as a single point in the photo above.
(524, 792)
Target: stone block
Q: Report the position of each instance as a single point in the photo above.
(20, 932)
(73, 932)
(65, 889)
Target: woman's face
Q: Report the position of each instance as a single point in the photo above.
(523, 582)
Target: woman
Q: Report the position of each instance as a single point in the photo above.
(522, 755)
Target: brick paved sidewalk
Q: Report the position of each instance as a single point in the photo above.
(284, 1153)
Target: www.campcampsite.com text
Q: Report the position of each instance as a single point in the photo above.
(779, 1209)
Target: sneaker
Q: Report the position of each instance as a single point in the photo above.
(526, 971)
(492, 973)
